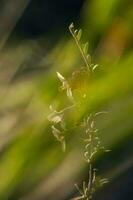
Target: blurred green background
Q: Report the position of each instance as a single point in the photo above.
(34, 44)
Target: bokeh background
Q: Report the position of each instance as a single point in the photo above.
(34, 44)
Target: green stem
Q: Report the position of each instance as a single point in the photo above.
(80, 49)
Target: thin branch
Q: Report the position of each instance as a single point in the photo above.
(79, 47)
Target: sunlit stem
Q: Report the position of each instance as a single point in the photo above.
(80, 48)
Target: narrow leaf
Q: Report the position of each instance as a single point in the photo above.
(79, 34)
(89, 58)
(69, 93)
(61, 78)
(94, 67)
(71, 27)
(56, 132)
(75, 32)
(85, 47)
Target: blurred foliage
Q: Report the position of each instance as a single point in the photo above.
(32, 164)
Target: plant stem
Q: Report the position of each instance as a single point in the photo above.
(81, 50)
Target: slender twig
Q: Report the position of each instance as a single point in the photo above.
(79, 47)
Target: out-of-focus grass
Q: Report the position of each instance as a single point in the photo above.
(30, 156)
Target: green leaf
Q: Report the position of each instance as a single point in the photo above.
(85, 47)
(75, 32)
(79, 34)
(71, 27)
(56, 132)
(69, 93)
(60, 77)
(89, 58)
(94, 67)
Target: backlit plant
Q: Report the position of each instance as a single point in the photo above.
(92, 141)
